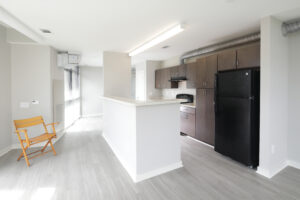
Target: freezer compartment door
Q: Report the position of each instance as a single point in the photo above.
(234, 83)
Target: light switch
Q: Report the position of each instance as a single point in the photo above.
(24, 105)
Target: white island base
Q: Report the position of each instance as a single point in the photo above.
(144, 135)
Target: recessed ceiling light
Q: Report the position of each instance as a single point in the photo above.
(158, 39)
(45, 30)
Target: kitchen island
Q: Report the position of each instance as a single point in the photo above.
(144, 135)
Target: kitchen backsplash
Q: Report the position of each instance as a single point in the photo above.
(171, 93)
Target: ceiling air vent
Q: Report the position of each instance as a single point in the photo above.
(67, 60)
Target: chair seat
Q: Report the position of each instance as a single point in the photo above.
(41, 138)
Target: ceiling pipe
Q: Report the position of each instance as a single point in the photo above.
(216, 47)
(290, 27)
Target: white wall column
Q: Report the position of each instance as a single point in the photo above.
(274, 98)
(151, 91)
(117, 74)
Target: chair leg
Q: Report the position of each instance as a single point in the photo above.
(43, 149)
(25, 155)
(54, 152)
(22, 154)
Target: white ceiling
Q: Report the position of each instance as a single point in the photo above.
(94, 26)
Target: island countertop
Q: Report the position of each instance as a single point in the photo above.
(135, 102)
(144, 135)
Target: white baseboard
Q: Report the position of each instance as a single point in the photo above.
(5, 150)
(263, 172)
(268, 174)
(200, 142)
(92, 115)
(141, 177)
(294, 164)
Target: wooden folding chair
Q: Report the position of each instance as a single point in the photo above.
(21, 124)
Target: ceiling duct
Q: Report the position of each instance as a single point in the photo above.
(290, 27)
(216, 47)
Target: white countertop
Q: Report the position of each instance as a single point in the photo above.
(135, 102)
(191, 105)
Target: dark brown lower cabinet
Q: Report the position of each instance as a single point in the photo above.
(187, 121)
(205, 116)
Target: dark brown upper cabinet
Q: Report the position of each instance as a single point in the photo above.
(206, 70)
(201, 73)
(211, 70)
(162, 79)
(178, 71)
(191, 75)
(158, 77)
(182, 70)
(227, 60)
(173, 72)
(248, 56)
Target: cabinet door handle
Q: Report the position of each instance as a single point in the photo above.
(237, 62)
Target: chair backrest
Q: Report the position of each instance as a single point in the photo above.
(23, 123)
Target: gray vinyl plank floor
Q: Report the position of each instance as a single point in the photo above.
(85, 168)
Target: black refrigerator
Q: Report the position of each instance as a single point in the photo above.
(237, 115)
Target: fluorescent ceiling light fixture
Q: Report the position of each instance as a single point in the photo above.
(160, 38)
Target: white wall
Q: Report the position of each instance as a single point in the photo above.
(145, 80)
(31, 80)
(5, 87)
(16, 37)
(171, 62)
(274, 98)
(91, 89)
(58, 95)
(151, 66)
(117, 74)
(294, 100)
(140, 81)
